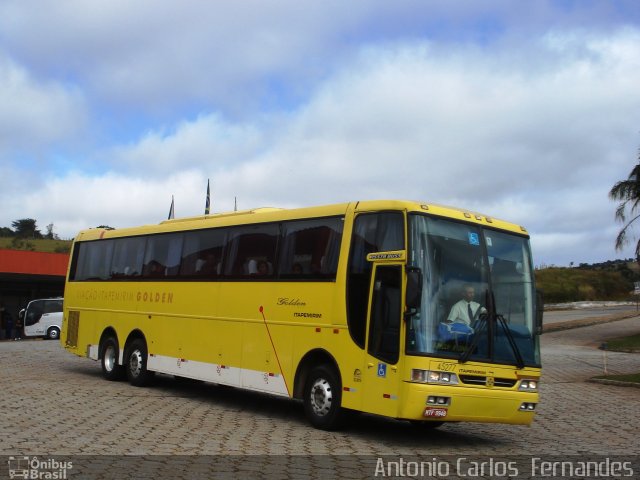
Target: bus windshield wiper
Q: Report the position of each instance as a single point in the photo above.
(512, 342)
(482, 324)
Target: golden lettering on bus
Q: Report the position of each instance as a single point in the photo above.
(154, 297)
(291, 302)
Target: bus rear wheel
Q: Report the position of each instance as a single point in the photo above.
(109, 359)
(136, 364)
(322, 398)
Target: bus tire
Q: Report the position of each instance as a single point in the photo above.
(109, 360)
(136, 363)
(53, 333)
(322, 398)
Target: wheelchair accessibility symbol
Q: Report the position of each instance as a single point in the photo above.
(382, 369)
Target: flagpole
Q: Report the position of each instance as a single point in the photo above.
(207, 203)
(172, 212)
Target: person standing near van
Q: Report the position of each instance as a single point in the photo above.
(7, 322)
(18, 328)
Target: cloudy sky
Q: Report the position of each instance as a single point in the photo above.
(527, 111)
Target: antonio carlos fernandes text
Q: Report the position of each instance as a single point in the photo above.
(538, 468)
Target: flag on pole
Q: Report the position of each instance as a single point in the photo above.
(172, 213)
(208, 202)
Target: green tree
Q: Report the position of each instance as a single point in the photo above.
(26, 228)
(627, 192)
(50, 235)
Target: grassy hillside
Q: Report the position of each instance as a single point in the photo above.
(612, 281)
(36, 245)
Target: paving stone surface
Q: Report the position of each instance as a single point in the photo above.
(53, 403)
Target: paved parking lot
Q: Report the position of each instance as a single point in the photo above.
(53, 403)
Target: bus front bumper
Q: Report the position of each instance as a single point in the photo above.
(458, 403)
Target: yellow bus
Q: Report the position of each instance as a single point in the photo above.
(404, 309)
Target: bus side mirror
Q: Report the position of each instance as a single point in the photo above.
(21, 314)
(414, 288)
(539, 311)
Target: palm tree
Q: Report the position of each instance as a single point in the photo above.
(627, 192)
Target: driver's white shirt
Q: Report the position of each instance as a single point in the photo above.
(460, 313)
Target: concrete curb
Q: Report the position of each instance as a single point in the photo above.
(616, 383)
(586, 322)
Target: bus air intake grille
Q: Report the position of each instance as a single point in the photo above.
(480, 380)
(72, 328)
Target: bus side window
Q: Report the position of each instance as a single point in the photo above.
(52, 306)
(127, 257)
(202, 253)
(249, 248)
(92, 260)
(162, 257)
(310, 248)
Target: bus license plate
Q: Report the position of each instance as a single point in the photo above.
(435, 412)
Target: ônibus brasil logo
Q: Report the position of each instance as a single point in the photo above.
(34, 468)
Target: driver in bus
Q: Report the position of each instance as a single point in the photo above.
(466, 310)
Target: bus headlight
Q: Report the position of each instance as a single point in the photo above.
(527, 385)
(432, 376)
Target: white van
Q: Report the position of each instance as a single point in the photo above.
(42, 318)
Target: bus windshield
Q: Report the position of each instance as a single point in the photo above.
(478, 295)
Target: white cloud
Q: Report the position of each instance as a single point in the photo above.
(78, 201)
(238, 56)
(208, 143)
(35, 114)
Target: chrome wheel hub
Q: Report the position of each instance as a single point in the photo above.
(321, 397)
(135, 363)
(110, 358)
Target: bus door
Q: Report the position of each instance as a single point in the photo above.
(381, 370)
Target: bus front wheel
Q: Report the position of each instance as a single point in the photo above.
(322, 398)
(136, 364)
(109, 359)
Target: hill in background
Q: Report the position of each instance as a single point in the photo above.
(36, 244)
(612, 280)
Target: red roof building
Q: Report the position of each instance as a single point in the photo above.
(33, 263)
(26, 275)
